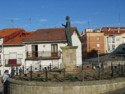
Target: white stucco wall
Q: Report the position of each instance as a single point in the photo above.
(76, 42)
(118, 41)
(42, 47)
(18, 52)
(47, 47)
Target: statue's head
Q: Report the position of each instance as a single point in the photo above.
(67, 17)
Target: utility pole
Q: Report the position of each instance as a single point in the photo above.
(2, 54)
(99, 72)
(98, 56)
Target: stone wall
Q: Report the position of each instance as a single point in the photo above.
(86, 87)
(69, 59)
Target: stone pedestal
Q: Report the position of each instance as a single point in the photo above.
(69, 58)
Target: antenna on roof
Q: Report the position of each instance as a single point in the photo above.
(12, 21)
(119, 20)
(119, 23)
(30, 22)
(88, 24)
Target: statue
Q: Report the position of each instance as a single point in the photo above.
(67, 31)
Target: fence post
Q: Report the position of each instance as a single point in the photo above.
(50, 66)
(99, 73)
(119, 69)
(20, 73)
(122, 70)
(31, 72)
(40, 67)
(16, 71)
(64, 74)
(12, 72)
(112, 69)
(82, 66)
(46, 74)
(82, 75)
(23, 69)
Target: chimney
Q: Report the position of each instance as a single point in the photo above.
(109, 29)
(118, 29)
(88, 30)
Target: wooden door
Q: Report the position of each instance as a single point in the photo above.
(54, 50)
(34, 51)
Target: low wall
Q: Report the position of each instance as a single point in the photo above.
(86, 87)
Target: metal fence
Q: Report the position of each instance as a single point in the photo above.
(50, 74)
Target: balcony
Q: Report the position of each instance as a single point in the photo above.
(13, 62)
(43, 55)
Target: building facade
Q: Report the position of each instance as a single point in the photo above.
(43, 47)
(93, 43)
(12, 49)
(114, 39)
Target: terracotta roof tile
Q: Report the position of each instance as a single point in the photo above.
(113, 30)
(18, 39)
(13, 36)
(9, 31)
(51, 34)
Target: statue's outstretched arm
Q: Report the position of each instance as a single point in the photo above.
(63, 25)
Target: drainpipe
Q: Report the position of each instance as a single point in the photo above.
(2, 55)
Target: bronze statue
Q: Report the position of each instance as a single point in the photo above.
(67, 31)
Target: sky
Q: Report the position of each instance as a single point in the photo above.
(36, 14)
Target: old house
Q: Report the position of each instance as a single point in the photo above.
(12, 49)
(43, 47)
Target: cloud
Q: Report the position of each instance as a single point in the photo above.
(14, 19)
(79, 22)
(43, 20)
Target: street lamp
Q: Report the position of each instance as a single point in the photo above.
(2, 54)
(98, 55)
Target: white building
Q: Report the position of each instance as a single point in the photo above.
(12, 49)
(43, 47)
(114, 39)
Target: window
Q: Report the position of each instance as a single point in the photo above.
(54, 50)
(98, 38)
(108, 48)
(35, 50)
(118, 39)
(113, 39)
(123, 40)
(113, 47)
(98, 45)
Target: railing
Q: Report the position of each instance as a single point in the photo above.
(18, 62)
(43, 55)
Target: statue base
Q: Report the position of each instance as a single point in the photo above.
(69, 59)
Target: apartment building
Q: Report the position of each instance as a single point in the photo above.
(114, 39)
(93, 43)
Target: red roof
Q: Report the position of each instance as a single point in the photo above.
(18, 39)
(8, 31)
(13, 35)
(113, 30)
(51, 34)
